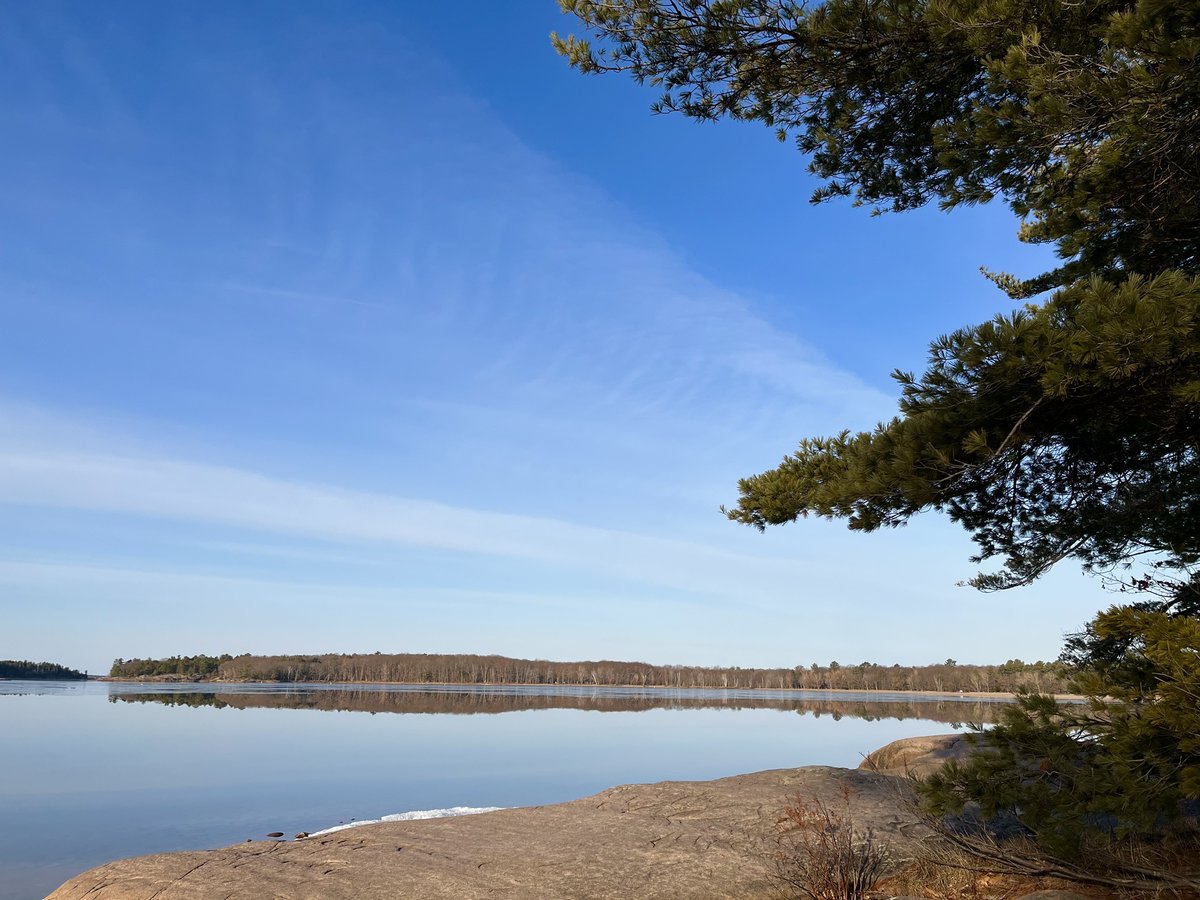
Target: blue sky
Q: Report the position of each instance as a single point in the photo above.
(372, 326)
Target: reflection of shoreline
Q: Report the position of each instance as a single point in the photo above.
(476, 701)
(949, 696)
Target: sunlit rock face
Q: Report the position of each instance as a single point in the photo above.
(918, 756)
(699, 839)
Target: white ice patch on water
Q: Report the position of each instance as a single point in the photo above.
(410, 816)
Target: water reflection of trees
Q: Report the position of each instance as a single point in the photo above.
(482, 701)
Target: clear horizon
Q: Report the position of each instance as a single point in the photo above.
(378, 328)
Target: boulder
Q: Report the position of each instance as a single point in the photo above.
(917, 757)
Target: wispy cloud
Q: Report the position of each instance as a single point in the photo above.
(289, 294)
(181, 491)
(353, 321)
(183, 587)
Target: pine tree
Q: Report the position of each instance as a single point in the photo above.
(1067, 429)
(1083, 117)
(1127, 763)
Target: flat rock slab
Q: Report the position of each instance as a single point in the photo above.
(701, 839)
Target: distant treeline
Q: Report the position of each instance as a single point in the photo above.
(23, 668)
(415, 668)
(192, 666)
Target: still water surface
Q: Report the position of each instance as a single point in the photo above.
(94, 771)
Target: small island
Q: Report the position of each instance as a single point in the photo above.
(23, 669)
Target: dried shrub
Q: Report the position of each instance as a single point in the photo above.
(1132, 866)
(969, 857)
(946, 873)
(822, 855)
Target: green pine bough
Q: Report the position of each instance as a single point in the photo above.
(1126, 763)
(1066, 429)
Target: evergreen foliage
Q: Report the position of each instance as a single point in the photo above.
(1065, 429)
(23, 668)
(1069, 428)
(191, 666)
(1081, 115)
(1128, 762)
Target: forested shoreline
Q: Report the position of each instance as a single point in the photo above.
(416, 668)
(40, 671)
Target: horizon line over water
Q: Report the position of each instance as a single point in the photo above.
(94, 771)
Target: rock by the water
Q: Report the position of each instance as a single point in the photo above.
(918, 756)
(704, 839)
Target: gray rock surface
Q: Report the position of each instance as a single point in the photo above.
(705, 839)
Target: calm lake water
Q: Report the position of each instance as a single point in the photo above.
(93, 771)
